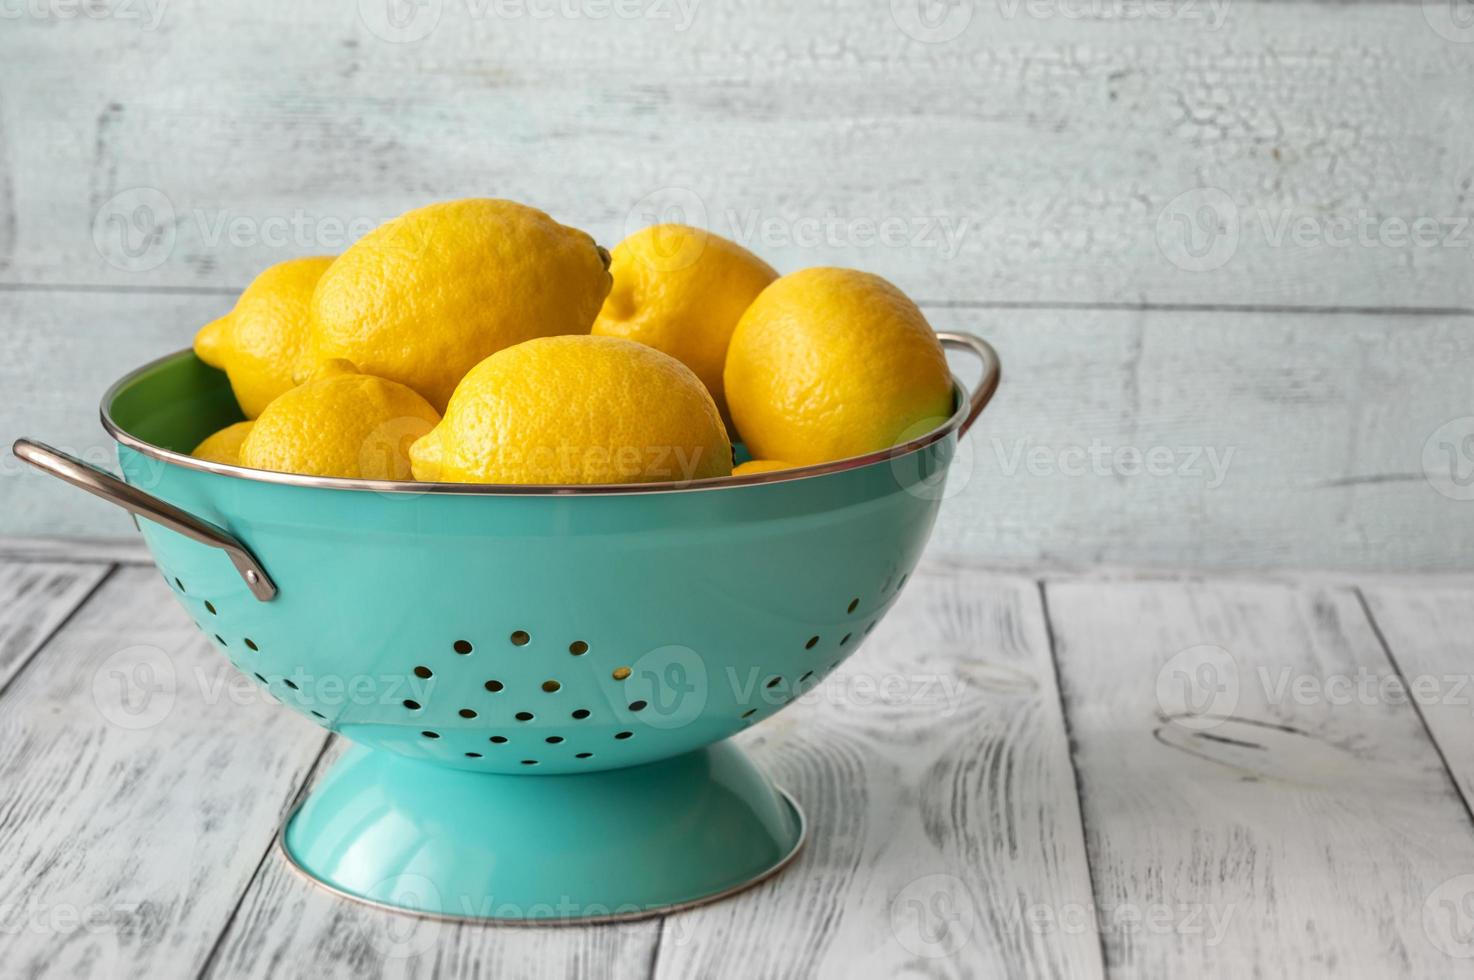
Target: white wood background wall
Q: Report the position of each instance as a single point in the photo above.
(1234, 238)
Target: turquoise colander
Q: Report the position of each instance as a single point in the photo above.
(539, 682)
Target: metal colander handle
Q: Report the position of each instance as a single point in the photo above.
(101, 483)
(992, 373)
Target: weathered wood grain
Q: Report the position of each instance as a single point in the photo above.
(141, 782)
(290, 927)
(1041, 153)
(1239, 440)
(118, 551)
(934, 773)
(63, 351)
(1429, 632)
(35, 599)
(1213, 440)
(1246, 812)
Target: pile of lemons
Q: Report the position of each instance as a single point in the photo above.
(480, 341)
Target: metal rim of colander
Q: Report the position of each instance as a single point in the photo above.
(957, 420)
(611, 918)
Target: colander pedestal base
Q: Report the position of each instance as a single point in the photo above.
(605, 845)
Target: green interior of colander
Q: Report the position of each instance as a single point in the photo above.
(175, 403)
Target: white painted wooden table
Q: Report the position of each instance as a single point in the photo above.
(1025, 772)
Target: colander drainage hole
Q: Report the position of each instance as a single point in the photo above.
(749, 712)
(638, 705)
(221, 640)
(869, 628)
(180, 584)
(901, 582)
(412, 705)
(578, 648)
(319, 714)
(529, 762)
(620, 673)
(552, 687)
(260, 678)
(473, 755)
(494, 686)
(584, 755)
(288, 682)
(581, 714)
(854, 604)
(210, 608)
(623, 735)
(430, 734)
(467, 713)
(463, 647)
(251, 644)
(498, 740)
(523, 716)
(521, 638)
(845, 639)
(553, 739)
(806, 677)
(775, 681)
(424, 673)
(813, 642)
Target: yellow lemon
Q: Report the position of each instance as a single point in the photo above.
(682, 290)
(422, 299)
(224, 446)
(257, 343)
(340, 423)
(831, 363)
(576, 410)
(754, 466)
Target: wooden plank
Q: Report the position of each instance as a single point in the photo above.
(117, 551)
(287, 923)
(1429, 632)
(141, 781)
(35, 599)
(934, 773)
(66, 349)
(1057, 470)
(1247, 812)
(1213, 440)
(1043, 152)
